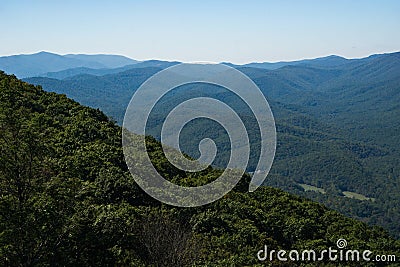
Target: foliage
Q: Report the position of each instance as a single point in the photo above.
(337, 123)
(67, 199)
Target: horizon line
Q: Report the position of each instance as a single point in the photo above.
(194, 61)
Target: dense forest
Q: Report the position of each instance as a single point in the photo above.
(67, 199)
(337, 125)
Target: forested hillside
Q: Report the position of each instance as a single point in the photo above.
(67, 199)
(337, 121)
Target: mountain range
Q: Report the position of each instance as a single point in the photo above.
(68, 199)
(52, 65)
(40, 63)
(337, 120)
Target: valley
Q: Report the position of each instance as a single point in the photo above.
(68, 199)
(337, 124)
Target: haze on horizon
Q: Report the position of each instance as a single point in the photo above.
(215, 31)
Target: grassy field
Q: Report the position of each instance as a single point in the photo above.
(308, 187)
(347, 194)
(356, 196)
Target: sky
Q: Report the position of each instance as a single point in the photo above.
(204, 30)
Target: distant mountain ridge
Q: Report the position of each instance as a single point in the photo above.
(39, 63)
(45, 64)
(329, 61)
(320, 62)
(109, 61)
(69, 73)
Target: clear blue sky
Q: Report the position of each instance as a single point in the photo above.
(203, 30)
